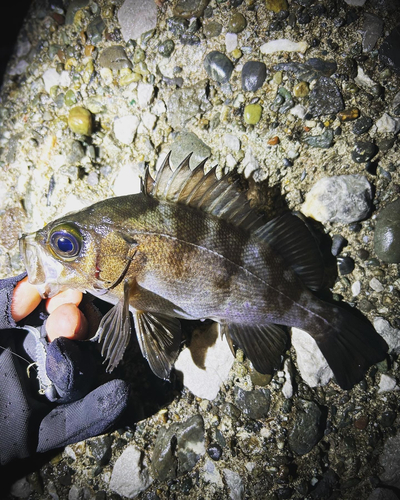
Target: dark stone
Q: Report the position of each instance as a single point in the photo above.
(253, 75)
(190, 8)
(371, 30)
(346, 265)
(218, 66)
(177, 25)
(237, 23)
(214, 451)
(212, 29)
(389, 52)
(309, 71)
(101, 449)
(166, 47)
(114, 58)
(254, 404)
(303, 17)
(324, 140)
(307, 429)
(387, 233)
(338, 243)
(276, 26)
(325, 98)
(387, 418)
(189, 39)
(386, 144)
(363, 151)
(73, 8)
(95, 30)
(362, 125)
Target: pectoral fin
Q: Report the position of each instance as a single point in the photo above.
(159, 338)
(263, 345)
(114, 331)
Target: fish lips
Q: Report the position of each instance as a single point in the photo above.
(43, 270)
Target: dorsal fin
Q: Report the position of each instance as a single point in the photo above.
(289, 236)
(218, 197)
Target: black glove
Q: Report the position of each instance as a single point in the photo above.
(49, 405)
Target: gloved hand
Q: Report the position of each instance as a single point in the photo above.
(65, 371)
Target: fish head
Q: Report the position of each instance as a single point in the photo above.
(59, 256)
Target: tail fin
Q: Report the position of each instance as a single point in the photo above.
(350, 345)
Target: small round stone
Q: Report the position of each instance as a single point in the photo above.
(237, 23)
(387, 233)
(214, 451)
(301, 89)
(252, 114)
(346, 265)
(362, 125)
(212, 29)
(349, 114)
(70, 98)
(80, 121)
(363, 151)
(253, 75)
(218, 66)
(166, 47)
(276, 5)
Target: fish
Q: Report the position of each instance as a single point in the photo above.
(190, 246)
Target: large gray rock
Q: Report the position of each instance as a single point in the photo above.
(130, 476)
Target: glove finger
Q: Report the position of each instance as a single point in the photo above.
(71, 368)
(85, 418)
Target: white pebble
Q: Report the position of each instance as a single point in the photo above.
(50, 78)
(299, 111)
(231, 41)
(149, 120)
(356, 288)
(283, 45)
(387, 125)
(387, 383)
(130, 476)
(232, 142)
(145, 94)
(136, 18)
(125, 128)
(376, 285)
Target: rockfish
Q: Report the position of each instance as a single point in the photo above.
(189, 246)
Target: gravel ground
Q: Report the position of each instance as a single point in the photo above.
(288, 94)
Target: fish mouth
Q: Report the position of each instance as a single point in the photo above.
(43, 271)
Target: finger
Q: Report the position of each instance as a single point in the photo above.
(66, 297)
(66, 321)
(24, 300)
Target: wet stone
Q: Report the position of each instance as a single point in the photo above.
(212, 29)
(237, 23)
(346, 265)
(307, 429)
(101, 449)
(166, 47)
(389, 52)
(76, 152)
(324, 140)
(189, 39)
(254, 404)
(95, 30)
(253, 75)
(371, 31)
(252, 114)
(387, 233)
(363, 151)
(301, 89)
(177, 25)
(190, 8)
(325, 98)
(114, 58)
(362, 125)
(214, 451)
(276, 5)
(349, 114)
(178, 448)
(218, 66)
(338, 243)
(80, 121)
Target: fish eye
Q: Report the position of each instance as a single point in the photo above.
(66, 241)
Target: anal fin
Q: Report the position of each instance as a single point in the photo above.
(262, 344)
(159, 338)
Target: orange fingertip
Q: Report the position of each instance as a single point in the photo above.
(24, 300)
(69, 296)
(66, 321)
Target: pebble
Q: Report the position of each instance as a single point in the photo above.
(73, 8)
(387, 233)
(324, 140)
(388, 125)
(325, 98)
(80, 120)
(328, 199)
(232, 142)
(390, 462)
(362, 125)
(235, 484)
(252, 114)
(371, 31)
(363, 151)
(231, 41)
(214, 451)
(283, 45)
(307, 429)
(387, 384)
(389, 50)
(338, 243)
(356, 288)
(130, 475)
(346, 265)
(253, 75)
(177, 25)
(212, 29)
(190, 8)
(114, 58)
(312, 365)
(145, 93)
(166, 47)
(301, 89)
(95, 30)
(349, 114)
(136, 18)
(204, 378)
(237, 23)
(276, 5)
(185, 103)
(218, 66)
(253, 404)
(390, 334)
(51, 78)
(21, 488)
(376, 285)
(178, 448)
(125, 128)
